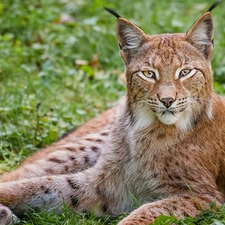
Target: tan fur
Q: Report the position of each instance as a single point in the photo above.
(163, 144)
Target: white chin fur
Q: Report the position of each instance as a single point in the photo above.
(181, 120)
(144, 116)
(168, 119)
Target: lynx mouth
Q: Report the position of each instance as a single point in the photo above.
(168, 117)
(168, 112)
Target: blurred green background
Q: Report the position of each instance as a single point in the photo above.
(60, 64)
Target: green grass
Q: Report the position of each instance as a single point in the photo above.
(44, 89)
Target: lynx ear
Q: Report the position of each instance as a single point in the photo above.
(201, 35)
(130, 36)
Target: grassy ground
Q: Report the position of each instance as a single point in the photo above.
(59, 66)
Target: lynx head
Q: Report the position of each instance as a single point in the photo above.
(169, 78)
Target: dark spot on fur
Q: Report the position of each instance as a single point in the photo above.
(47, 191)
(89, 161)
(94, 148)
(82, 148)
(195, 122)
(86, 159)
(186, 214)
(71, 149)
(187, 197)
(90, 139)
(174, 207)
(66, 168)
(94, 140)
(177, 177)
(73, 184)
(72, 158)
(74, 200)
(143, 218)
(104, 134)
(55, 160)
(49, 171)
(154, 175)
(161, 135)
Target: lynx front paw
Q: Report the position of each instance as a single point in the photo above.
(139, 220)
(5, 215)
(138, 217)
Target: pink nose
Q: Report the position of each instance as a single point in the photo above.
(167, 102)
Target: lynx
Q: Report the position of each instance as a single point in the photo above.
(163, 145)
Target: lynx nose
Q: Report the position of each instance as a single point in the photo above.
(167, 102)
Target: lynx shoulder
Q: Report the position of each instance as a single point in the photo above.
(163, 144)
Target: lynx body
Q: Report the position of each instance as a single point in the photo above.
(163, 145)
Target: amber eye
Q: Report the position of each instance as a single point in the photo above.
(184, 72)
(149, 74)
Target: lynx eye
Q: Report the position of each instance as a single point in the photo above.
(149, 74)
(184, 72)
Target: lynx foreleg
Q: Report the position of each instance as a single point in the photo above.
(178, 207)
(45, 193)
(83, 191)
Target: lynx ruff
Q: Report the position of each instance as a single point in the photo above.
(163, 145)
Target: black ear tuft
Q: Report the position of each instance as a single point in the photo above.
(112, 12)
(213, 6)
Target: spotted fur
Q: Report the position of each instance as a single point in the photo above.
(163, 144)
